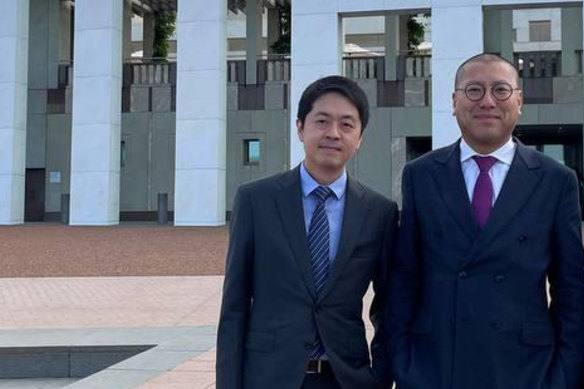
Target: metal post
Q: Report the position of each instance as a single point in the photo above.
(65, 208)
(162, 208)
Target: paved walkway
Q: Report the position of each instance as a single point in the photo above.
(132, 284)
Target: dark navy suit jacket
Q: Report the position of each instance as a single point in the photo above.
(270, 312)
(469, 307)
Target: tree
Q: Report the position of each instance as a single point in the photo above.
(164, 26)
(282, 45)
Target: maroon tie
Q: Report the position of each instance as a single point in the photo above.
(482, 197)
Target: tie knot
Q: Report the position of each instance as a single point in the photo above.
(322, 193)
(485, 163)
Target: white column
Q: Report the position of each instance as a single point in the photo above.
(316, 52)
(253, 39)
(96, 117)
(13, 100)
(201, 111)
(449, 24)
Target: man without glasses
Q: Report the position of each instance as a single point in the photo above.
(486, 222)
(304, 246)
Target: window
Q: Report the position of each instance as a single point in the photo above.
(251, 154)
(540, 31)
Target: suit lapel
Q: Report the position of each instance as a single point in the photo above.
(289, 202)
(354, 215)
(521, 181)
(447, 173)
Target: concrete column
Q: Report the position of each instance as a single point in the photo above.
(506, 16)
(312, 58)
(273, 28)
(13, 100)
(392, 37)
(127, 30)
(571, 39)
(65, 32)
(498, 32)
(449, 24)
(96, 117)
(201, 111)
(54, 17)
(148, 35)
(253, 39)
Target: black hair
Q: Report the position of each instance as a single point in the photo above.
(484, 58)
(346, 87)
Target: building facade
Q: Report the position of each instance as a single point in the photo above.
(91, 131)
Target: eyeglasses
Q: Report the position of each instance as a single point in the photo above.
(500, 91)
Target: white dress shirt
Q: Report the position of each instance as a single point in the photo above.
(470, 169)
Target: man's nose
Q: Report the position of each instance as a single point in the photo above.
(488, 100)
(334, 131)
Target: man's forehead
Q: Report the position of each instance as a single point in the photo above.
(491, 72)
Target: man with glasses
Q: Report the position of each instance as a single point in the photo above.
(486, 223)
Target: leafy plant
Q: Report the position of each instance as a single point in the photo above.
(282, 45)
(164, 27)
(416, 32)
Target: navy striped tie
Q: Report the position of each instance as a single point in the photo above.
(318, 246)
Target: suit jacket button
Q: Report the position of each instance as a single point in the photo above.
(496, 325)
(317, 309)
(462, 275)
(308, 346)
(499, 278)
(522, 238)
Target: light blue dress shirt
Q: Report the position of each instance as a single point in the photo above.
(334, 205)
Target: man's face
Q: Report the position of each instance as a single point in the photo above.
(487, 124)
(331, 133)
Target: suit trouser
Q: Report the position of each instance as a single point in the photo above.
(320, 381)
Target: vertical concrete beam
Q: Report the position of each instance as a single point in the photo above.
(571, 39)
(449, 24)
(148, 35)
(127, 30)
(54, 17)
(392, 38)
(201, 111)
(96, 117)
(253, 36)
(13, 100)
(273, 28)
(312, 58)
(506, 17)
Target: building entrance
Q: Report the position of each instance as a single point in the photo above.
(560, 142)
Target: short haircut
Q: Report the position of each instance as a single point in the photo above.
(484, 58)
(338, 84)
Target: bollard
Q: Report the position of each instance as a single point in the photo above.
(162, 208)
(65, 208)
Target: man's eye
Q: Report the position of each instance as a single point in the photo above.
(474, 89)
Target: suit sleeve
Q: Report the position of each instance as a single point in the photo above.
(405, 279)
(377, 313)
(237, 296)
(566, 278)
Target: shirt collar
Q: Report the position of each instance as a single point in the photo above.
(309, 184)
(503, 154)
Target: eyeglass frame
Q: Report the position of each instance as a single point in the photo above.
(485, 91)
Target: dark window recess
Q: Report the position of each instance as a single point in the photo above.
(123, 154)
(251, 155)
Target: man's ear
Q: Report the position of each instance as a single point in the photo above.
(300, 129)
